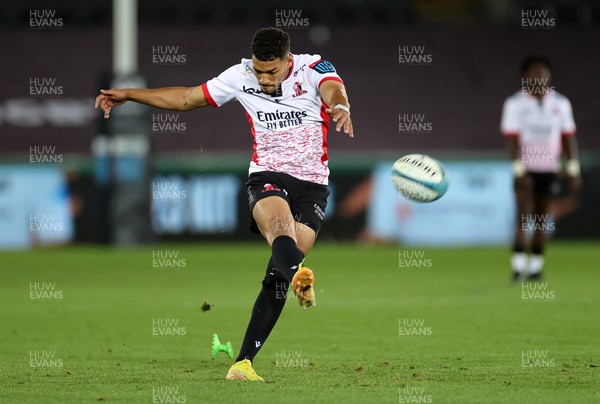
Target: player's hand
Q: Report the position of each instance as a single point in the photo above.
(110, 98)
(342, 120)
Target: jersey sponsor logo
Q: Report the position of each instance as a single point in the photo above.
(323, 66)
(298, 91)
(250, 90)
(301, 69)
(281, 119)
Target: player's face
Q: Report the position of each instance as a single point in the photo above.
(538, 79)
(270, 74)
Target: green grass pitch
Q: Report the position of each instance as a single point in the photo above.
(78, 326)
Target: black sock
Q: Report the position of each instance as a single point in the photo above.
(286, 256)
(518, 247)
(537, 250)
(266, 311)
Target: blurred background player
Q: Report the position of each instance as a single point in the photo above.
(538, 123)
(289, 100)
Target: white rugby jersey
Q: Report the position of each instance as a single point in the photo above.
(539, 124)
(290, 130)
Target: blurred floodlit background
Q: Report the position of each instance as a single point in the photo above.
(422, 76)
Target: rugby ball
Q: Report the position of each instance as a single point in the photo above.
(420, 178)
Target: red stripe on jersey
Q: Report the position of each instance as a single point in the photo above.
(324, 79)
(207, 96)
(314, 64)
(324, 129)
(568, 134)
(254, 155)
(510, 133)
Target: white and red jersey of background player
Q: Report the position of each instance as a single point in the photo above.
(289, 129)
(539, 124)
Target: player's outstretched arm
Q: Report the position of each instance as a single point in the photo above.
(334, 95)
(171, 98)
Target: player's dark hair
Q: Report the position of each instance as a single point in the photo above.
(270, 44)
(535, 60)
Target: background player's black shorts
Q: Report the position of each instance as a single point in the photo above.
(545, 183)
(307, 200)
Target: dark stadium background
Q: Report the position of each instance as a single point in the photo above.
(476, 48)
